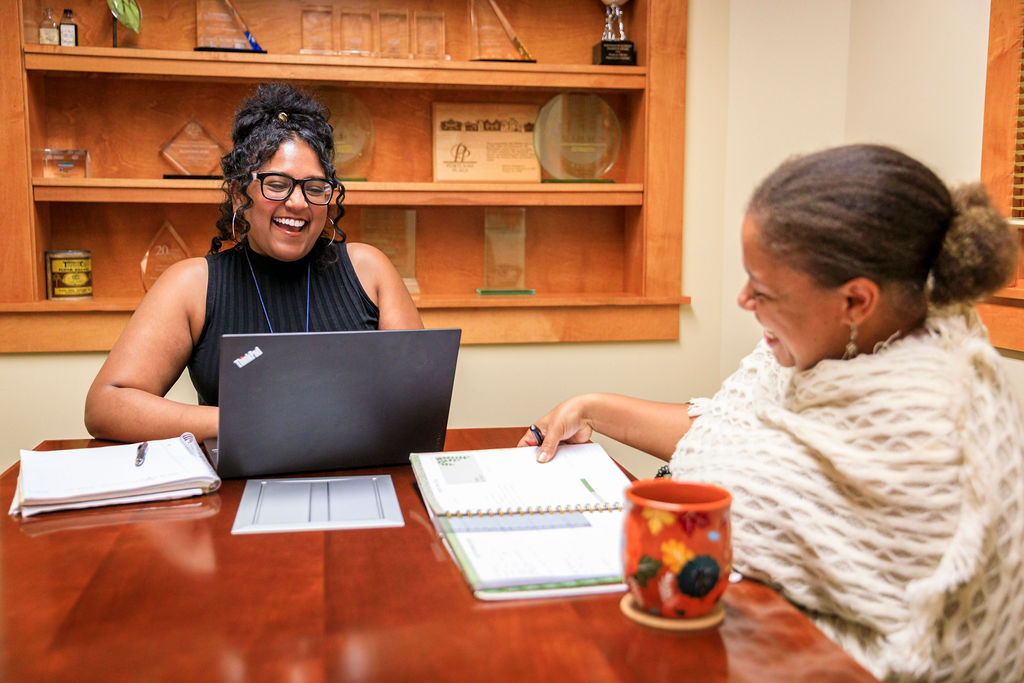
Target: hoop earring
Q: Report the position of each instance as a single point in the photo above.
(233, 217)
(334, 230)
(851, 350)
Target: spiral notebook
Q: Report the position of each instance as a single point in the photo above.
(517, 528)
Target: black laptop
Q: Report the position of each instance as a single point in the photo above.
(315, 401)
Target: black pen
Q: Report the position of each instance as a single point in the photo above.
(140, 453)
(536, 434)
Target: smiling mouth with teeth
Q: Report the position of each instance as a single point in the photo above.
(290, 224)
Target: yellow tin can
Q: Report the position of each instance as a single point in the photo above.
(68, 274)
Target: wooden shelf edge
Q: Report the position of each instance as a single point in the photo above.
(61, 331)
(434, 301)
(252, 67)
(157, 191)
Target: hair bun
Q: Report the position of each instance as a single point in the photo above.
(979, 252)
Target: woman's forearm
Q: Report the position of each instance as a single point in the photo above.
(650, 426)
(128, 414)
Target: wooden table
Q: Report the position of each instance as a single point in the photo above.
(165, 592)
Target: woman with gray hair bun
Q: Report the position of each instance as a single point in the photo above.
(871, 441)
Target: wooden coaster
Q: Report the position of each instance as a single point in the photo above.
(712, 618)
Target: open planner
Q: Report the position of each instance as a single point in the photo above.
(112, 475)
(518, 528)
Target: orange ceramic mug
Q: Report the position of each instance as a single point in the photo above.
(677, 551)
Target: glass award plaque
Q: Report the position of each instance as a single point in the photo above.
(353, 133)
(504, 251)
(317, 30)
(493, 38)
(577, 137)
(193, 152)
(356, 32)
(614, 48)
(393, 29)
(165, 249)
(61, 163)
(393, 231)
(428, 32)
(216, 28)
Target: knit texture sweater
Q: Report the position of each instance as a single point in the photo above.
(883, 495)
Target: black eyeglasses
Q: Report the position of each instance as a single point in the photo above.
(277, 187)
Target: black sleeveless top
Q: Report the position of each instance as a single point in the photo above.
(337, 302)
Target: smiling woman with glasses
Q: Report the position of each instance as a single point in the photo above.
(278, 263)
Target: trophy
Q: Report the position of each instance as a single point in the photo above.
(614, 48)
(504, 251)
(165, 249)
(193, 152)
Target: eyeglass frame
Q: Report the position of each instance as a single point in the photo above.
(298, 182)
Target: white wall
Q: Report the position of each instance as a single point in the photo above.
(766, 79)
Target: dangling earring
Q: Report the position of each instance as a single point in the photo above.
(851, 346)
(233, 217)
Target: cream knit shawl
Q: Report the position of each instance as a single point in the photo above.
(883, 495)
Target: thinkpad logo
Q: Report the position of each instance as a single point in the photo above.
(248, 357)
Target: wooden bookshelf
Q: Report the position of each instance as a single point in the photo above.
(604, 258)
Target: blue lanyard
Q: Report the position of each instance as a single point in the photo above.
(260, 294)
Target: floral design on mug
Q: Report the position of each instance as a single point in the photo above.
(658, 519)
(675, 554)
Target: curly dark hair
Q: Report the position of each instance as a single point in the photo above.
(275, 112)
(872, 211)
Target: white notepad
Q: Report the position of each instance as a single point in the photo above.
(112, 475)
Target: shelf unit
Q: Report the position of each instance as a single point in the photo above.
(604, 258)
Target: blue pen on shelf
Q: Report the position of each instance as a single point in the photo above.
(537, 434)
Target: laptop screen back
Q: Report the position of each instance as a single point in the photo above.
(315, 401)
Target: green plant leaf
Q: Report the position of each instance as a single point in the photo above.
(127, 12)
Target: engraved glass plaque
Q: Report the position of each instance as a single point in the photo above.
(428, 29)
(577, 137)
(353, 133)
(504, 251)
(483, 142)
(216, 28)
(317, 30)
(614, 48)
(165, 249)
(193, 152)
(393, 29)
(393, 231)
(493, 38)
(356, 32)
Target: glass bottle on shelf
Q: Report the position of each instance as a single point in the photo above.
(68, 29)
(48, 33)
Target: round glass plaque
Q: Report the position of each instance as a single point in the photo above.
(577, 136)
(353, 132)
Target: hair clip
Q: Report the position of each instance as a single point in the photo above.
(281, 116)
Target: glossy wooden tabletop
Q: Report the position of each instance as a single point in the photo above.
(166, 593)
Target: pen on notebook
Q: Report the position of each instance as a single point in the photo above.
(536, 434)
(140, 453)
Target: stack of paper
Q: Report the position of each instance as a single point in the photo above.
(112, 475)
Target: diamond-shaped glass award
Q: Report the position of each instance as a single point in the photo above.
(193, 152)
(393, 231)
(165, 249)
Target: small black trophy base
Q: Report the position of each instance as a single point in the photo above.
(615, 52)
(228, 49)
